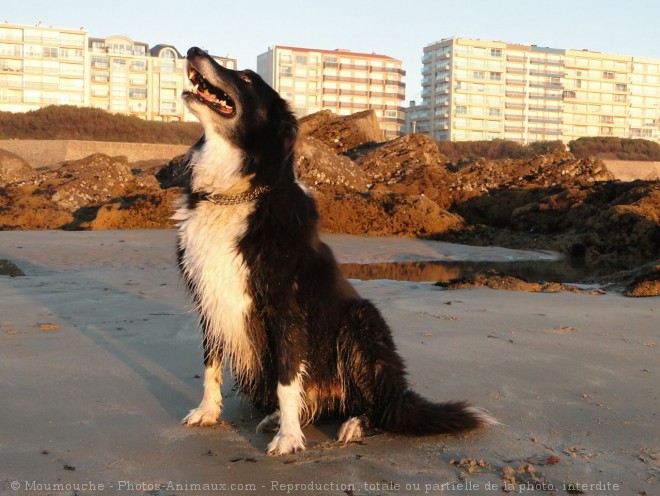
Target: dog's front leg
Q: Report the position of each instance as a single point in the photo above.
(290, 395)
(209, 409)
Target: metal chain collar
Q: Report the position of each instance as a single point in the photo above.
(238, 199)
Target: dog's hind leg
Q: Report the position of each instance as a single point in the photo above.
(209, 409)
(352, 430)
(270, 423)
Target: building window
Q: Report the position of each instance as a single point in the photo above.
(495, 76)
(167, 54)
(461, 109)
(100, 62)
(608, 75)
(620, 87)
(494, 112)
(137, 92)
(50, 53)
(478, 75)
(301, 59)
(607, 119)
(495, 52)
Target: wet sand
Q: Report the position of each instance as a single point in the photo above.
(100, 358)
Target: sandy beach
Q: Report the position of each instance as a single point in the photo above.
(100, 358)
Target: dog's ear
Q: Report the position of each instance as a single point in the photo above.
(289, 128)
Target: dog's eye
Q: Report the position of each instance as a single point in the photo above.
(246, 78)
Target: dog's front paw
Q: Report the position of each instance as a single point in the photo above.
(203, 415)
(283, 444)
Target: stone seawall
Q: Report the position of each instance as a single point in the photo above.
(50, 153)
(629, 170)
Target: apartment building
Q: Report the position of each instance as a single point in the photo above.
(481, 90)
(339, 80)
(42, 66)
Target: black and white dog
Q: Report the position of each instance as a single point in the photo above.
(272, 302)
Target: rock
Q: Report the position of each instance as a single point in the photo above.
(342, 133)
(25, 209)
(9, 268)
(384, 214)
(496, 280)
(318, 166)
(409, 165)
(176, 173)
(14, 169)
(89, 181)
(646, 284)
(141, 211)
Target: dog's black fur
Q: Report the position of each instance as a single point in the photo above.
(303, 312)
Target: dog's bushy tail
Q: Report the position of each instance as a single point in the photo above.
(378, 376)
(410, 414)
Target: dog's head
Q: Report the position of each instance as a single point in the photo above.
(240, 107)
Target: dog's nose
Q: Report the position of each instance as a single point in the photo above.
(194, 52)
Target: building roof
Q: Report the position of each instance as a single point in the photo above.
(338, 51)
(155, 51)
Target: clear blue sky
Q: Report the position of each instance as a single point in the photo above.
(399, 28)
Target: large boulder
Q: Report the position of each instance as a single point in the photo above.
(342, 133)
(318, 166)
(93, 180)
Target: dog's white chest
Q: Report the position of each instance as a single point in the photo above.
(209, 235)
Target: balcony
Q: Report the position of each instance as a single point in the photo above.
(539, 120)
(557, 86)
(544, 108)
(537, 130)
(555, 63)
(515, 94)
(545, 96)
(547, 74)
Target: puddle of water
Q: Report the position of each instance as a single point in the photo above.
(534, 271)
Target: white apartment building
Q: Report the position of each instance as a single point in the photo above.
(42, 66)
(481, 90)
(339, 80)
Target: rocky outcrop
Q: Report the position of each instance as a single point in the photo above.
(14, 169)
(342, 133)
(381, 213)
(93, 180)
(403, 187)
(319, 167)
(72, 196)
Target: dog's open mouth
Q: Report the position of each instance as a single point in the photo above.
(210, 95)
